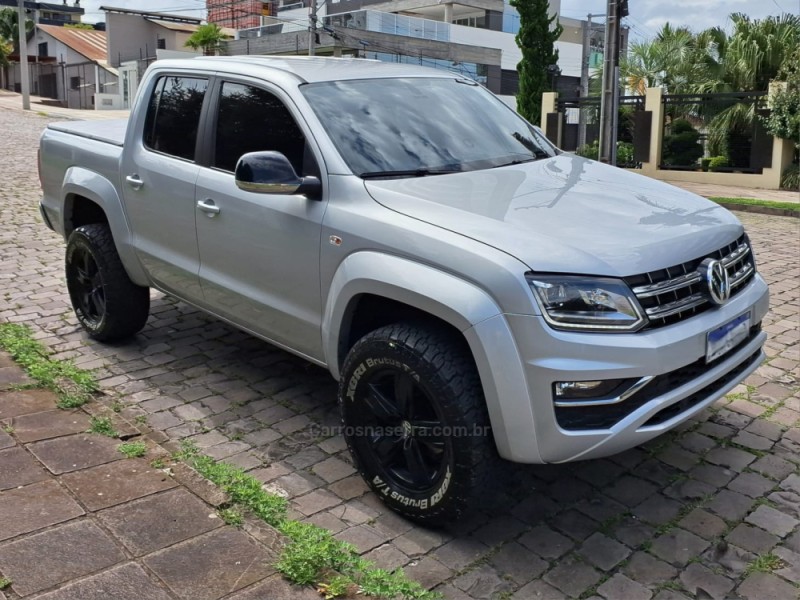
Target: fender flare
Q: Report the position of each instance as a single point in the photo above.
(440, 294)
(79, 181)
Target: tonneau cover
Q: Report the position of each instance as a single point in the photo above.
(110, 132)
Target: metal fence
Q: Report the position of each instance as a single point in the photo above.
(719, 132)
(71, 85)
(580, 128)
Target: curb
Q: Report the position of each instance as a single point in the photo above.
(764, 210)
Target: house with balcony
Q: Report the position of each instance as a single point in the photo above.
(473, 37)
(49, 13)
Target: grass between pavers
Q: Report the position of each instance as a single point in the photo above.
(313, 555)
(791, 206)
(73, 386)
(102, 426)
(5, 582)
(133, 449)
(766, 563)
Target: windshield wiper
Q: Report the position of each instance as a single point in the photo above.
(517, 162)
(407, 173)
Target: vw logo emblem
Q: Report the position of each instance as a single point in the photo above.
(716, 277)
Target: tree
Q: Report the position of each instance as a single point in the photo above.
(682, 146)
(784, 118)
(5, 50)
(207, 37)
(9, 26)
(535, 38)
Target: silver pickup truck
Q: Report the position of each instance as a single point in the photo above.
(476, 292)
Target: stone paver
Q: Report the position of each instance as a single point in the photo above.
(66, 552)
(192, 377)
(127, 582)
(211, 566)
(110, 484)
(33, 507)
(75, 452)
(18, 469)
(160, 520)
(24, 402)
(46, 425)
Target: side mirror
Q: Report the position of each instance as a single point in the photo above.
(271, 173)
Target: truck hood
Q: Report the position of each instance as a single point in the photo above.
(567, 214)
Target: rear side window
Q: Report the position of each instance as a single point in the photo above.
(173, 115)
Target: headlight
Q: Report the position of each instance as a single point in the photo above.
(587, 303)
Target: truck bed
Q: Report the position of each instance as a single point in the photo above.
(110, 132)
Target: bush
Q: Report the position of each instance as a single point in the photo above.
(682, 146)
(790, 178)
(704, 163)
(624, 154)
(589, 150)
(716, 162)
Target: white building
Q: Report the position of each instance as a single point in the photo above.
(474, 37)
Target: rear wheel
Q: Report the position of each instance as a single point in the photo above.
(107, 303)
(415, 421)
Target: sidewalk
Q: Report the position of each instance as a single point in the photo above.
(79, 521)
(725, 191)
(13, 101)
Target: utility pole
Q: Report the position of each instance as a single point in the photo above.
(312, 30)
(23, 59)
(585, 57)
(609, 101)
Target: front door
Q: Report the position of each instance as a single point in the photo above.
(158, 180)
(259, 253)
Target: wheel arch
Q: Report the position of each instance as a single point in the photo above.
(368, 282)
(91, 198)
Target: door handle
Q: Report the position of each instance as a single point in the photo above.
(134, 181)
(208, 207)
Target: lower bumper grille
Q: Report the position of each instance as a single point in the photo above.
(584, 418)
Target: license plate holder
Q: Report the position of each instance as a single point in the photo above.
(723, 339)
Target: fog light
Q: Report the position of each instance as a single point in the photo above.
(576, 389)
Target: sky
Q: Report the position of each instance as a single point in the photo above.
(646, 16)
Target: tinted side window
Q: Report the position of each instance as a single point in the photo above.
(252, 119)
(174, 115)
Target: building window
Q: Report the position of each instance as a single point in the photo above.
(43, 49)
(161, 43)
(74, 83)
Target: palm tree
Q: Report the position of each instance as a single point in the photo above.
(207, 37)
(746, 60)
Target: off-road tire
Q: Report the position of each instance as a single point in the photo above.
(115, 308)
(445, 375)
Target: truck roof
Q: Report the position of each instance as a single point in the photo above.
(312, 69)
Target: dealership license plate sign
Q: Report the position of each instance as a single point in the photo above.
(727, 337)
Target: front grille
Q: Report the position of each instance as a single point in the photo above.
(676, 293)
(604, 416)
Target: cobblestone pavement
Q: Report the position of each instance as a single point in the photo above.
(79, 519)
(710, 510)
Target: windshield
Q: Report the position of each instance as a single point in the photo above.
(417, 126)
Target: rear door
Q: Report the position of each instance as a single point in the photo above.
(259, 253)
(159, 174)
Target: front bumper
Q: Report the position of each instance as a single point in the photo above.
(523, 414)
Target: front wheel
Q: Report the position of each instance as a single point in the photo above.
(415, 421)
(107, 303)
